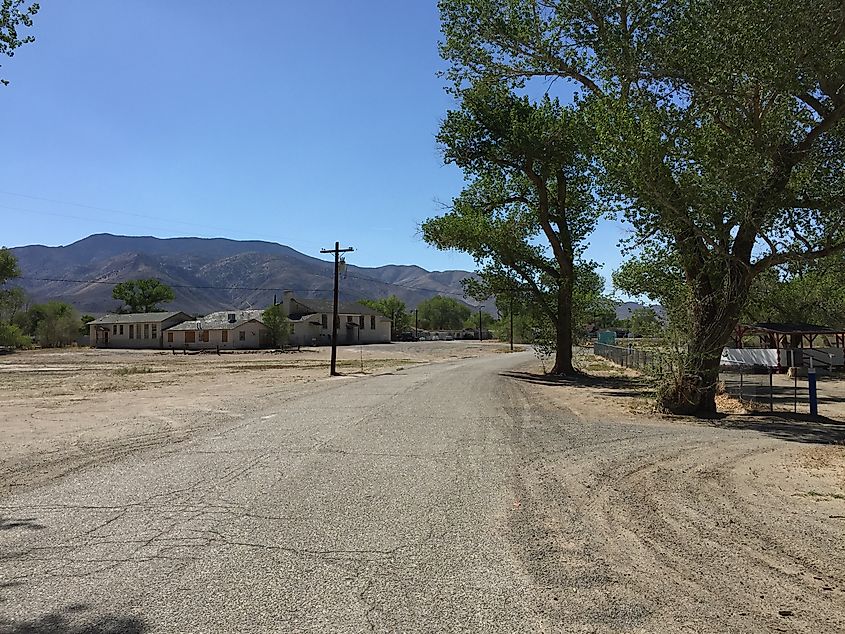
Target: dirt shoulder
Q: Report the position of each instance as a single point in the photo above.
(648, 523)
(64, 409)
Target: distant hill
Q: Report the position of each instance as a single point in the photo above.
(209, 274)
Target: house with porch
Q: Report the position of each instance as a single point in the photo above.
(132, 330)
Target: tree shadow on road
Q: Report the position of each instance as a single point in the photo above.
(29, 523)
(72, 620)
(624, 386)
(801, 428)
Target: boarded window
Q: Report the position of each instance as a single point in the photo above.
(242, 335)
(324, 320)
(372, 323)
(146, 331)
(154, 329)
(169, 337)
(190, 336)
(205, 336)
(131, 331)
(224, 336)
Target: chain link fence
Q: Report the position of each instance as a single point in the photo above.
(651, 361)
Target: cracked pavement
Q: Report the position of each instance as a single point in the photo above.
(446, 497)
(361, 505)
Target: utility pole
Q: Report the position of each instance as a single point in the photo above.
(337, 251)
(480, 332)
(417, 323)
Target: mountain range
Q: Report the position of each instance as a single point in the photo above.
(209, 274)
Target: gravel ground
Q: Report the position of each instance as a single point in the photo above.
(458, 496)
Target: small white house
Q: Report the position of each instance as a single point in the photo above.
(132, 330)
(227, 330)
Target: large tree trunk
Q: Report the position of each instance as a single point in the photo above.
(713, 316)
(563, 327)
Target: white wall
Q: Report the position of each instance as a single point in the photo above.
(252, 338)
(781, 358)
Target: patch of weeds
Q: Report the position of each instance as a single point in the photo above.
(816, 494)
(135, 369)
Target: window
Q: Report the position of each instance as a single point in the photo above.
(293, 329)
(131, 331)
(373, 322)
(154, 329)
(146, 331)
(324, 320)
(361, 322)
(349, 319)
(121, 329)
(114, 329)
(190, 336)
(224, 336)
(169, 337)
(242, 335)
(204, 336)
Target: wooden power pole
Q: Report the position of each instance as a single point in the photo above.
(337, 251)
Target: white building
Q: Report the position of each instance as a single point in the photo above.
(132, 330)
(227, 330)
(311, 323)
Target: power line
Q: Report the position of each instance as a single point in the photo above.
(219, 288)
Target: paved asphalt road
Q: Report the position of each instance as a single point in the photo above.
(439, 498)
(360, 505)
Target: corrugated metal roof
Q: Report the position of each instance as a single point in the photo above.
(221, 320)
(314, 306)
(794, 328)
(134, 318)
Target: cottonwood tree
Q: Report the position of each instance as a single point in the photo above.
(720, 126)
(14, 14)
(277, 323)
(443, 313)
(143, 296)
(527, 209)
(391, 307)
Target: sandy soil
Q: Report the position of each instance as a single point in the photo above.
(64, 409)
(739, 520)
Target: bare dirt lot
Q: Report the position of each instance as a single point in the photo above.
(739, 519)
(64, 409)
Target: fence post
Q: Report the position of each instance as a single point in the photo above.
(741, 373)
(771, 391)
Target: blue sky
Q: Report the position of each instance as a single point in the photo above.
(295, 122)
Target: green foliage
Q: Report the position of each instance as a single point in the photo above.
(277, 323)
(56, 324)
(528, 206)
(143, 296)
(720, 135)
(487, 321)
(14, 14)
(800, 293)
(12, 336)
(84, 321)
(11, 299)
(8, 265)
(393, 308)
(443, 313)
(644, 322)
